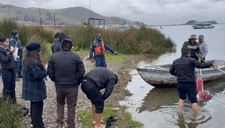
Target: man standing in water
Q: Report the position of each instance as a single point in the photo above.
(193, 46)
(203, 47)
(98, 47)
(183, 68)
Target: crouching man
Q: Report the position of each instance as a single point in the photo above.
(97, 79)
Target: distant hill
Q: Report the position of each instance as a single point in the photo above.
(66, 16)
(192, 22)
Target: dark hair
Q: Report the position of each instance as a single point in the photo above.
(57, 35)
(62, 36)
(185, 51)
(66, 44)
(32, 54)
(3, 39)
(116, 78)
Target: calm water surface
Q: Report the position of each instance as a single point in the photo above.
(157, 108)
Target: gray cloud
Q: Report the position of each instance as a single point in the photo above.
(147, 11)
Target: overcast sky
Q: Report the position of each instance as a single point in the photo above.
(151, 12)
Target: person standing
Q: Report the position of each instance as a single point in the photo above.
(56, 47)
(183, 68)
(15, 42)
(193, 46)
(67, 70)
(99, 47)
(8, 69)
(34, 88)
(97, 79)
(203, 47)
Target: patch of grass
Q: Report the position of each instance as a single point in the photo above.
(86, 118)
(119, 59)
(11, 115)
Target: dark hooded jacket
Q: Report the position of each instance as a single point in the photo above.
(6, 59)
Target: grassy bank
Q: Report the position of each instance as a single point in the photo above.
(87, 118)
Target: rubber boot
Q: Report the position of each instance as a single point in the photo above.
(98, 118)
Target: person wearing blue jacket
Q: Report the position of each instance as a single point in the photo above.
(16, 43)
(98, 47)
(34, 87)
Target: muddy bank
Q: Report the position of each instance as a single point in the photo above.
(119, 92)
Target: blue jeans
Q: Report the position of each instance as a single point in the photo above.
(8, 78)
(100, 61)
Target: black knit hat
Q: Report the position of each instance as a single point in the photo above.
(14, 32)
(32, 46)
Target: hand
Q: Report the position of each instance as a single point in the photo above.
(46, 66)
(115, 53)
(92, 60)
(215, 66)
(13, 50)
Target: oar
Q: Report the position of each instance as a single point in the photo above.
(221, 70)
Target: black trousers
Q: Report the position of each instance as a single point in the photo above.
(36, 109)
(8, 78)
(93, 93)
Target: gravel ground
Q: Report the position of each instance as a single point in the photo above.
(49, 112)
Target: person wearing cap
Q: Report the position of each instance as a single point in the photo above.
(193, 46)
(8, 66)
(184, 69)
(99, 47)
(203, 47)
(34, 87)
(57, 46)
(67, 70)
(15, 42)
(94, 81)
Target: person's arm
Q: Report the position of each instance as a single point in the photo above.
(50, 71)
(184, 45)
(5, 59)
(206, 51)
(37, 72)
(109, 49)
(172, 70)
(109, 88)
(197, 64)
(81, 69)
(92, 50)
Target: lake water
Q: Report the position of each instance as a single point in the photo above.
(157, 107)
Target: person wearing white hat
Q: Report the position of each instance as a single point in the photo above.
(193, 46)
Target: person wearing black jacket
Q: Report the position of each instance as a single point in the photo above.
(193, 46)
(57, 46)
(67, 70)
(183, 68)
(8, 69)
(97, 79)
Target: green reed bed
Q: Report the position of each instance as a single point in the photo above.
(11, 116)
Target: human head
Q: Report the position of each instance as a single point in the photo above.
(200, 38)
(67, 44)
(15, 33)
(33, 46)
(193, 38)
(4, 42)
(186, 52)
(57, 36)
(33, 50)
(98, 37)
(62, 36)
